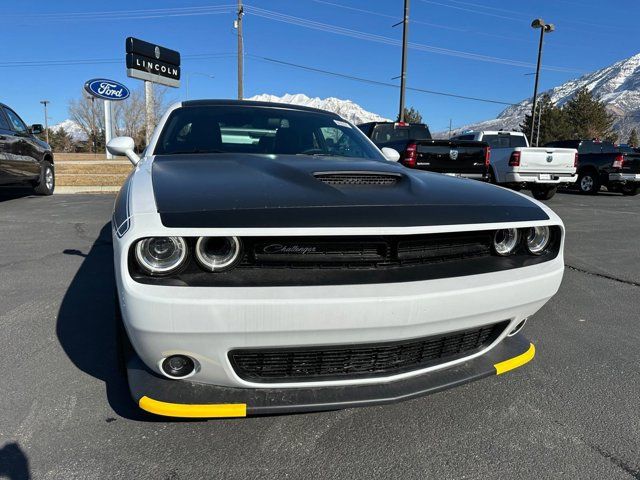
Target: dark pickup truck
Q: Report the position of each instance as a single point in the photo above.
(605, 164)
(418, 150)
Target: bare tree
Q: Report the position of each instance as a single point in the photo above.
(129, 115)
(88, 113)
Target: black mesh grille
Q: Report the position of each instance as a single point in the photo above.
(359, 360)
(358, 178)
(364, 252)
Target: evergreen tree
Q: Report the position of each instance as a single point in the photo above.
(588, 117)
(633, 138)
(61, 141)
(553, 122)
(411, 115)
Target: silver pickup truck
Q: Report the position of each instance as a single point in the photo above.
(517, 165)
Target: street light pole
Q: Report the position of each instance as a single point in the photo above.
(538, 23)
(403, 76)
(46, 122)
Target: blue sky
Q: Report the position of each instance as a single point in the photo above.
(352, 37)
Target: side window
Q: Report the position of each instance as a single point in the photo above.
(608, 147)
(464, 137)
(4, 123)
(338, 142)
(18, 125)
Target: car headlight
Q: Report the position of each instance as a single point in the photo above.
(538, 239)
(505, 241)
(218, 253)
(161, 255)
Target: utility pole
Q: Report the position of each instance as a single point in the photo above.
(46, 122)
(403, 75)
(544, 28)
(238, 25)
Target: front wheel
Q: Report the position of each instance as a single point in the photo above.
(543, 192)
(589, 183)
(47, 181)
(631, 190)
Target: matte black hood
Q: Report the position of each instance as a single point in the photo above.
(244, 190)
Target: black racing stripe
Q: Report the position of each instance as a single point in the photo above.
(377, 216)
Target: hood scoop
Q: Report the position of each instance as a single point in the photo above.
(383, 179)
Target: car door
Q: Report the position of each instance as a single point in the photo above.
(23, 162)
(6, 135)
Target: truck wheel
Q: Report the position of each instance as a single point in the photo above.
(47, 181)
(589, 183)
(543, 192)
(631, 190)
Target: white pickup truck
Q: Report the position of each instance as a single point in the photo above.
(515, 164)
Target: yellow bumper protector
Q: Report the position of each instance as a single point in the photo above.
(223, 410)
(516, 362)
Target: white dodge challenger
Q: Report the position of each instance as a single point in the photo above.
(269, 259)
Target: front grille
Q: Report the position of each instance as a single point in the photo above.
(364, 252)
(347, 178)
(344, 362)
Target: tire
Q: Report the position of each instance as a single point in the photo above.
(491, 176)
(543, 192)
(631, 190)
(47, 182)
(588, 183)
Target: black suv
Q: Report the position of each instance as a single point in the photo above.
(24, 159)
(605, 164)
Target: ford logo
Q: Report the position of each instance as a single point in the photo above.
(107, 89)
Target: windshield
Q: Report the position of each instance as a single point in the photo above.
(261, 130)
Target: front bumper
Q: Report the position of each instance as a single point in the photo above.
(541, 178)
(624, 177)
(206, 323)
(186, 399)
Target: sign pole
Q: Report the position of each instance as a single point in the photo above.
(108, 128)
(148, 98)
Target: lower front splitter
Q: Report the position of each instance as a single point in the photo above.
(181, 398)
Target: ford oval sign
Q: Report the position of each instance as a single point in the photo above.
(107, 89)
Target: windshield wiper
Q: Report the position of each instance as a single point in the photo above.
(321, 154)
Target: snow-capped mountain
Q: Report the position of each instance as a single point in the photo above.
(618, 86)
(345, 108)
(72, 128)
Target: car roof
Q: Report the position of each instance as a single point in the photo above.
(252, 103)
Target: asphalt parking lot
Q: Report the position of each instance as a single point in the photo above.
(574, 412)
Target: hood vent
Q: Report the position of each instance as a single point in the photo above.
(358, 178)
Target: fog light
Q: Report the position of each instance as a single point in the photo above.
(178, 366)
(517, 328)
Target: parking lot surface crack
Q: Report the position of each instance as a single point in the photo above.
(602, 275)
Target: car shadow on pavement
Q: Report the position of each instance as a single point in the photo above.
(86, 325)
(13, 193)
(14, 464)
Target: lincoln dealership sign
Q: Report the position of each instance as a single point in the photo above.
(106, 89)
(152, 63)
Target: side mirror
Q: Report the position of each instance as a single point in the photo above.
(390, 154)
(123, 147)
(36, 129)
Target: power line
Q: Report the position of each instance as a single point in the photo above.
(312, 24)
(375, 82)
(97, 61)
(110, 15)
